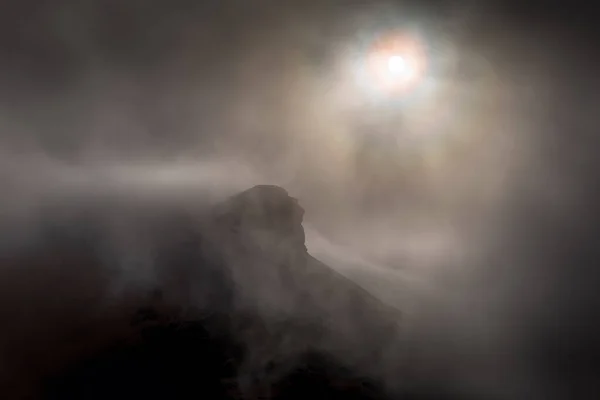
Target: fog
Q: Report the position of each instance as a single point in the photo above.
(475, 227)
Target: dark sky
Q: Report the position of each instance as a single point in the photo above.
(49, 49)
(60, 58)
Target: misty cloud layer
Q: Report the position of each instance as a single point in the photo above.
(482, 235)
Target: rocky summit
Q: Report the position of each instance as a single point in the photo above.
(123, 297)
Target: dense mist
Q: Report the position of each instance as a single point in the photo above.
(479, 227)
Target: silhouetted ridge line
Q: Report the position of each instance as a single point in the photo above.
(236, 306)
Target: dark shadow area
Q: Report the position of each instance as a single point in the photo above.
(187, 360)
(233, 306)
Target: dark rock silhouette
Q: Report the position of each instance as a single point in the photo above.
(128, 298)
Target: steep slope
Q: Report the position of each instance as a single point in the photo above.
(166, 297)
(259, 236)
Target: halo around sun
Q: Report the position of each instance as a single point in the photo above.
(396, 63)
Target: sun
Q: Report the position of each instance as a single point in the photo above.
(396, 63)
(400, 69)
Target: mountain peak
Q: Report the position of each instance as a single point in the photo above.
(266, 209)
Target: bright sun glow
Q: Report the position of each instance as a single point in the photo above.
(396, 64)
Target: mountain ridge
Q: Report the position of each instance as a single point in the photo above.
(108, 273)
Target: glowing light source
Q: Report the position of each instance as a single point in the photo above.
(395, 63)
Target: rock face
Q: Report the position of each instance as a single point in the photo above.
(259, 238)
(265, 208)
(261, 242)
(237, 275)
